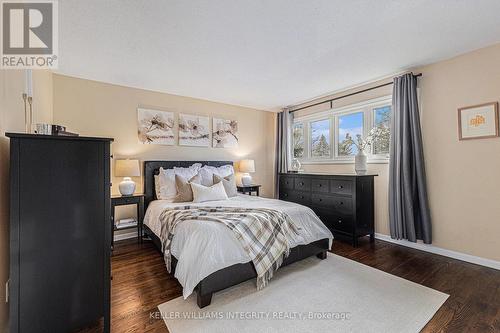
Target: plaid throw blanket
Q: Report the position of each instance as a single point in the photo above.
(264, 233)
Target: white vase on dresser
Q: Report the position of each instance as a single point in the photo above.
(360, 162)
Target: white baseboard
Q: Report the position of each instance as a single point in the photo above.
(119, 237)
(444, 252)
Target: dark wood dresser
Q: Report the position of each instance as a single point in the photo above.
(345, 203)
(59, 233)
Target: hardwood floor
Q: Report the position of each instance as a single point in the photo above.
(140, 283)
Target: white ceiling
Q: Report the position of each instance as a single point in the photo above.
(264, 53)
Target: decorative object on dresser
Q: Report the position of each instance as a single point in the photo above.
(155, 127)
(246, 166)
(345, 203)
(478, 121)
(296, 165)
(362, 145)
(224, 133)
(249, 189)
(59, 232)
(27, 96)
(119, 200)
(127, 169)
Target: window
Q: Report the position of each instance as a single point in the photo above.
(382, 121)
(350, 126)
(320, 138)
(298, 140)
(325, 137)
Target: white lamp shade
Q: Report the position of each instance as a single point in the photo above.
(247, 166)
(127, 168)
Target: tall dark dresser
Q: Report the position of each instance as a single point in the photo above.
(345, 203)
(59, 233)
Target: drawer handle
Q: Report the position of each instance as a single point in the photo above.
(302, 197)
(341, 202)
(341, 187)
(340, 221)
(320, 185)
(301, 183)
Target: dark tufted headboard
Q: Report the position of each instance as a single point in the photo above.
(152, 168)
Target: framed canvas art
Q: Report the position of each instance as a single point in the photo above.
(478, 121)
(224, 133)
(193, 130)
(155, 127)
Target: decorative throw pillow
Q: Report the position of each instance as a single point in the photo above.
(207, 173)
(184, 192)
(192, 168)
(166, 179)
(229, 183)
(168, 189)
(203, 193)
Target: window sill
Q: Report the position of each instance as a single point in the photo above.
(312, 162)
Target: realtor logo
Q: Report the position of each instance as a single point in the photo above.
(29, 34)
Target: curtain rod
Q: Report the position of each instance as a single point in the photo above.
(348, 95)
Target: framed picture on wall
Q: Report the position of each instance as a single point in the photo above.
(478, 121)
(155, 127)
(193, 130)
(224, 133)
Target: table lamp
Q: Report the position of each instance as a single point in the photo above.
(127, 169)
(247, 166)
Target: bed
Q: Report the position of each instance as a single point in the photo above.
(206, 257)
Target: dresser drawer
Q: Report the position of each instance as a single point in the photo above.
(302, 198)
(286, 182)
(341, 186)
(322, 200)
(342, 205)
(302, 184)
(320, 185)
(342, 223)
(334, 221)
(284, 194)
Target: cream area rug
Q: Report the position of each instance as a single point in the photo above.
(313, 295)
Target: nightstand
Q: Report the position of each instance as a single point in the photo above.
(248, 189)
(122, 200)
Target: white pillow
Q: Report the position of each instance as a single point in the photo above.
(157, 186)
(193, 168)
(168, 190)
(208, 193)
(207, 173)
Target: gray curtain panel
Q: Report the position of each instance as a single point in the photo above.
(283, 143)
(409, 214)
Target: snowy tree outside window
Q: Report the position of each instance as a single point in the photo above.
(320, 138)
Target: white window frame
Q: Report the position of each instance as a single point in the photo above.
(304, 139)
(366, 107)
(309, 141)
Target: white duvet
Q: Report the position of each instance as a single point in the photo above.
(203, 248)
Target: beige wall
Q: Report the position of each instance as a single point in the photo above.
(94, 108)
(12, 84)
(463, 176)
